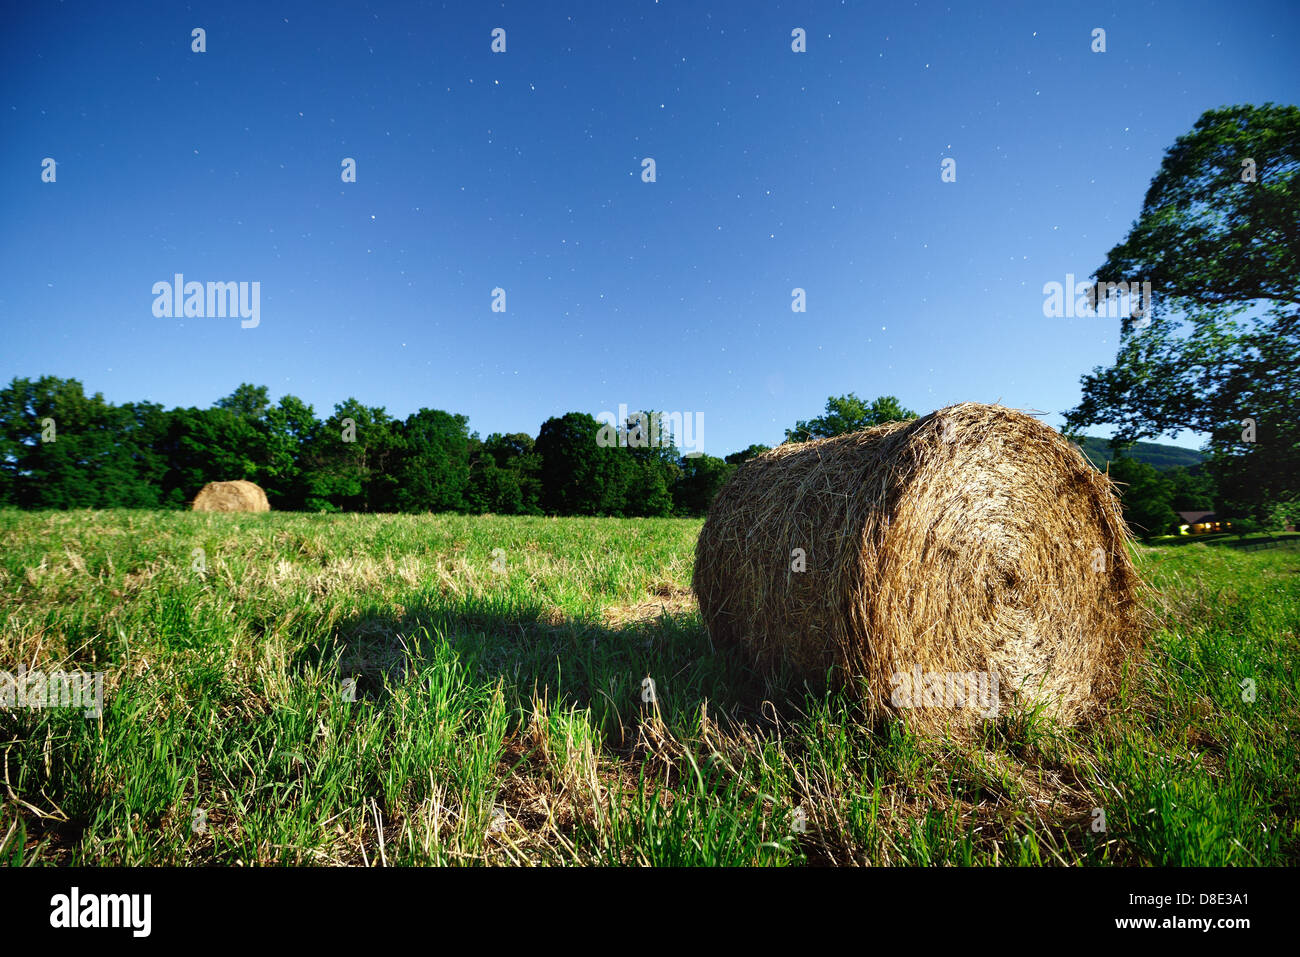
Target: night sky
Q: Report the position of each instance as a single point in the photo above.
(523, 171)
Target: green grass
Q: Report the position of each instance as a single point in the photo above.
(499, 715)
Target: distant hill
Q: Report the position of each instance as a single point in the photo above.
(1161, 456)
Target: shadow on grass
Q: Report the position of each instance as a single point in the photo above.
(537, 654)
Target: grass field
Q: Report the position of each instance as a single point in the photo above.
(499, 715)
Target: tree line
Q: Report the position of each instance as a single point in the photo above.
(62, 448)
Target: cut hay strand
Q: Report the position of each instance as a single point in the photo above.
(972, 542)
(238, 496)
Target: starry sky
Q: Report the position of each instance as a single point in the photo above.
(522, 171)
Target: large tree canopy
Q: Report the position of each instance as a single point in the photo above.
(1219, 352)
(580, 476)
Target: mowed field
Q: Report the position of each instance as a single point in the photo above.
(498, 668)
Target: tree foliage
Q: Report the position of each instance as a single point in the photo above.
(433, 463)
(359, 458)
(848, 413)
(744, 455)
(1146, 497)
(580, 476)
(1219, 352)
(702, 476)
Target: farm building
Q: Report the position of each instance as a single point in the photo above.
(1200, 523)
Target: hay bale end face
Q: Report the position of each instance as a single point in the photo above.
(239, 496)
(910, 560)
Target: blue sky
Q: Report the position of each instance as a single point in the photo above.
(522, 170)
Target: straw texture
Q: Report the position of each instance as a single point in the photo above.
(975, 539)
(238, 496)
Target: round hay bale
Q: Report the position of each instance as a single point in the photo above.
(908, 560)
(238, 496)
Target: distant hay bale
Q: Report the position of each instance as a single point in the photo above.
(971, 544)
(238, 496)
